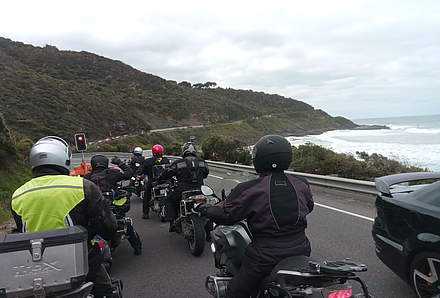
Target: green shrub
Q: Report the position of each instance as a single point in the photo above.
(225, 149)
(315, 159)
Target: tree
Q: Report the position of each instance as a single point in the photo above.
(210, 84)
(225, 149)
(198, 86)
(185, 84)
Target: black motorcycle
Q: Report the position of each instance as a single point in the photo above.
(120, 205)
(293, 277)
(159, 194)
(137, 183)
(189, 223)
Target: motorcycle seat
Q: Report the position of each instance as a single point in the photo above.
(294, 263)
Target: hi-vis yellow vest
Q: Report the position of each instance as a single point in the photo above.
(44, 203)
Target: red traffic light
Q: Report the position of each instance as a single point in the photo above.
(80, 142)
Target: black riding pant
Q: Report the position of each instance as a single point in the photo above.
(174, 197)
(258, 262)
(147, 198)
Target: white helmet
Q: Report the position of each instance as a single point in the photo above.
(50, 151)
(138, 150)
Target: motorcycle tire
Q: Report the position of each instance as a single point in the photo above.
(163, 214)
(197, 243)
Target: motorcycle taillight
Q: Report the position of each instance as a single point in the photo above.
(343, 293)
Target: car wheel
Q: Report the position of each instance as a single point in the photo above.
(425, 274)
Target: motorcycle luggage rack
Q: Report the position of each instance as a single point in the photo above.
(326, 271)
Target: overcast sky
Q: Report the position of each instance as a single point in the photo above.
(352, 58)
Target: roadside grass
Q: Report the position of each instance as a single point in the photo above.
(11, 178)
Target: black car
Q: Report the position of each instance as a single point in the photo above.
(407, 229)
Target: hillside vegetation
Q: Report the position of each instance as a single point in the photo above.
(13, 171)
(47, 91)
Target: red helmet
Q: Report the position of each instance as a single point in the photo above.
(158, 150)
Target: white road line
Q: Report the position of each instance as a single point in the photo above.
(320, 205)
(345, 212)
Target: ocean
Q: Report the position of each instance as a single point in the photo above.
(414, 140)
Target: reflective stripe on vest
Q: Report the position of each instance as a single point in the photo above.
(44, 203)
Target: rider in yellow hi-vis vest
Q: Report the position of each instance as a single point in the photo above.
(54, 200)
(42, 195)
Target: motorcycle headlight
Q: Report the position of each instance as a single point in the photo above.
(213, 249)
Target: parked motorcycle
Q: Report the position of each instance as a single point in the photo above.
(293, 277)
(120, 205)
(189, 223)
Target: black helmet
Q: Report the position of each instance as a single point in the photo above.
(189, 149)
(272, 153)
(99, 162)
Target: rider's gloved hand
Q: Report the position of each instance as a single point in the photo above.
(202, 209)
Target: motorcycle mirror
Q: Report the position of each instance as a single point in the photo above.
(206, 190)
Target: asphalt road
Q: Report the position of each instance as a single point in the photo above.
(339, 227)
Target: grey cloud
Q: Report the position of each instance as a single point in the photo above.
(370, 57)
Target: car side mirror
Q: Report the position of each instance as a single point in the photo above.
(207, 191)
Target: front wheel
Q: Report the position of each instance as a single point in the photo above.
(425, 274)
(196, 241)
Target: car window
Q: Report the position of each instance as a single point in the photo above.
(429, 195)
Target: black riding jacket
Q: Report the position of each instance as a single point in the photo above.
(107, 179)
(189, 171)
(274, 205)
(136, 159)
(148, 168)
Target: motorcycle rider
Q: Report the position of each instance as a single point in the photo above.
(136, 160)
(148, 168)
(190, 171)
(275, 206)
(107, 180)
(52, 199)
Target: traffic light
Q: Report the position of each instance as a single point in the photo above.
(80, 142)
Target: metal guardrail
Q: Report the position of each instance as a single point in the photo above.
(361, 186)
(367, 187)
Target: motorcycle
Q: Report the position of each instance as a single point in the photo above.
(51, 264)
(297, 276)
(159, 194)
(137, 183)
(190, 224)
(120, 205)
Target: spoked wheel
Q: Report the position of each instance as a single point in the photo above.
(425, 273)
(196, 239)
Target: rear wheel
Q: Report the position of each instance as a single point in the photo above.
(163, 214)
(425, 274)
(196, 241)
